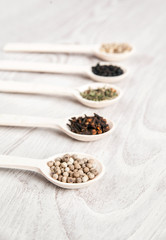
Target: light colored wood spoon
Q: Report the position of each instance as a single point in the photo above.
(61, 124)
(43, 89)
(20, 66)
(66, 48)
(40, 166)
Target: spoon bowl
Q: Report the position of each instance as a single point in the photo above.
(43, 89)
(46, 172)
(111, 56)
(97, 104)
(41, 167)
(86, 138)
(107, 79)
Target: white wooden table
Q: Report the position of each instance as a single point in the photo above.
(129, 203)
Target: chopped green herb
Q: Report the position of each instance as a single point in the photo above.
(99, 94)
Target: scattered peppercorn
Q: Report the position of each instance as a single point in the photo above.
(87, 171)
(115, 48)
(99, 94)
(107, 70)
(89, 125)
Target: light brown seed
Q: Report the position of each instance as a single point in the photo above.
(74, 180)
(52, 169)
(55, 176)
(71, 160)
(79, 180)
(80, 172)
(85, 178)
(74, 156)
(86, 169)
(57, 163)
(91, 175)
(60, 178)
(94, 171)
(77, 166)
(71, 167)
(71, 174)
(70, 180)
(67, 169)
(83, 165)
(58, 172)
(76, 174)
(50, 163)
(64, 164)
(91, 161)
(65, 174)
(89, 165)
(69, 163)
(64, 179)
(85, 160)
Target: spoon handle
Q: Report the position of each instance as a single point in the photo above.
(21, 66)
(33, 88)
(27, 121)
(19, 163)
(49, 48)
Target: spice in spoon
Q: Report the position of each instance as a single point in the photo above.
(99, 94)
(107, 70)
(89, 125)
(73, 169)
(115, 48)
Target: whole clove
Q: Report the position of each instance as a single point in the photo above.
(88, 125)
(107, 70)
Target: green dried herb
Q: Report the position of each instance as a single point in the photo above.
(99, 94)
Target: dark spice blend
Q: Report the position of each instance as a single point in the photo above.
(89, 125)
(107, 70)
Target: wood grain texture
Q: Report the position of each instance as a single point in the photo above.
(129, 203)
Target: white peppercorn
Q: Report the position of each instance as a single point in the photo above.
(80, 172)
(64, 164)
(52, 168)
(89, 165)
(67, 169)
(64, 179)
(71, 167)
(76, 165)
(50, 163)
(71, 160)
(60, 178)
(65, 174)
(74, 156)
(91, 175)
(86, 169)
(85, 178)
(79, 180)
(70, 180)
(55, 176)
(91, 161)
(76, 174)
(57, 163)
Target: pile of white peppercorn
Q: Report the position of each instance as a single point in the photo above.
(73, 169)
(115, 48)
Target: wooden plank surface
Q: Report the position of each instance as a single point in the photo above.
(129, 203)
